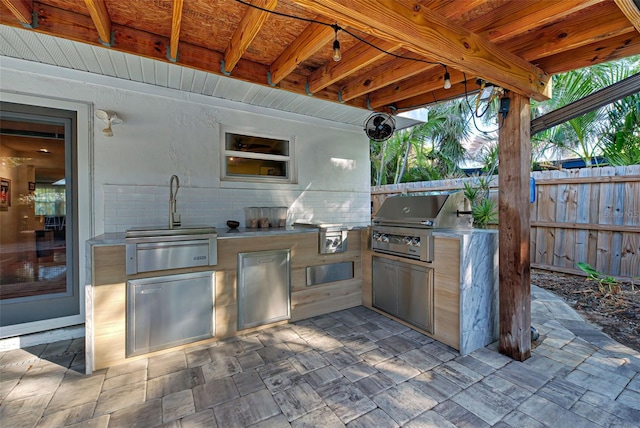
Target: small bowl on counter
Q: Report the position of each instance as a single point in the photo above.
(232, 224)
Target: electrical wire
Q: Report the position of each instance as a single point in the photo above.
(474, 112)
(337, 28)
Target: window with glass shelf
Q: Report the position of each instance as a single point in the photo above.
(252, 158)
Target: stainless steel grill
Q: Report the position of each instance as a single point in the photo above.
(403, 225)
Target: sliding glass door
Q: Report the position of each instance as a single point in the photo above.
(38, 199)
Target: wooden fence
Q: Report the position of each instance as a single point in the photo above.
(580, 215)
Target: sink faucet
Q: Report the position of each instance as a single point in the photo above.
(174, 218)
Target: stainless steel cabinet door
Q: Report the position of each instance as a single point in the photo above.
(385, 285)
(167, 311)
(264, 283)
(415, 295)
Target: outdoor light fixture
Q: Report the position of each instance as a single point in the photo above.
(447, 79)
(109, 118)
(337, 55)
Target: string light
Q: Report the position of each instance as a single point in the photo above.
(337, 54)
(447, 78)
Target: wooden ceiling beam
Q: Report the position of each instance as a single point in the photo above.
(503, 23)
(386, 74)
(428, 33)
(601, 51)
(246, 31)
(439, 95)
(22, 10)
(597, 23)
(417, 85)
(101, 20)
(517, 17)
(630, 10)
(397, 69)
(176, 22)
(557, 37)
(352, 60)
(78, 27)
(314, 37)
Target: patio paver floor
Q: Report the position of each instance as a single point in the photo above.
(352, 368)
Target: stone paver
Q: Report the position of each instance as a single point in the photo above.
(177, 405)
(353, 368)
(166, 363)
(247, 410)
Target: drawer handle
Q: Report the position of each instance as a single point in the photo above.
(265, 261)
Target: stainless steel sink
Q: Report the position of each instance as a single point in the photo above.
(155, 231)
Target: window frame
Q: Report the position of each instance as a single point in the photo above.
(289, 160)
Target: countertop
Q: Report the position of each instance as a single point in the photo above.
(243, 232)
(226, 233)
(456, 233)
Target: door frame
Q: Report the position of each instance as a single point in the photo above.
(85, 203)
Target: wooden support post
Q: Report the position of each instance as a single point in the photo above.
(514, 228)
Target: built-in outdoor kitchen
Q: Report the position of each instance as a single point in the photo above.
(214, 285)
(420, 262)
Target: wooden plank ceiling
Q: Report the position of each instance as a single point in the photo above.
(394, 52)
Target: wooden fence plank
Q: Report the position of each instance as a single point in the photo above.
(618, 219)
(572, 216)
(600, 179)
(630, 259)
(594, 217)
(587, 226)
(603, 256)
(561, 214)
(583, 207)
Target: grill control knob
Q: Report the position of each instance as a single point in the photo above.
(384, 238)
(407, 240)
(415, 241)
(376, 236)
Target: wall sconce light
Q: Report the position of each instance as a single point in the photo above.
(109, 118)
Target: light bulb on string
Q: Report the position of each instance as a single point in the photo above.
(447, 79)
(337, 55)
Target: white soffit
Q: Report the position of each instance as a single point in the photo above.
(32, 46)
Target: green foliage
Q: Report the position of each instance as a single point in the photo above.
(471, 192)
(483, 209)
(579, 135)
(429, 151)
(597, 131)
(484, 212)
(605, 282)
(624, 150)
(434, 150)
(621, 144)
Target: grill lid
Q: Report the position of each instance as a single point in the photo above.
(425, 209)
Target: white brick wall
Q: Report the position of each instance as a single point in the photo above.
(131, 206)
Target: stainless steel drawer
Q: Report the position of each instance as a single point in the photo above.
(329, 273)
(148, 255)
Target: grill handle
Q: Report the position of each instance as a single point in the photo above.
(461, 213)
